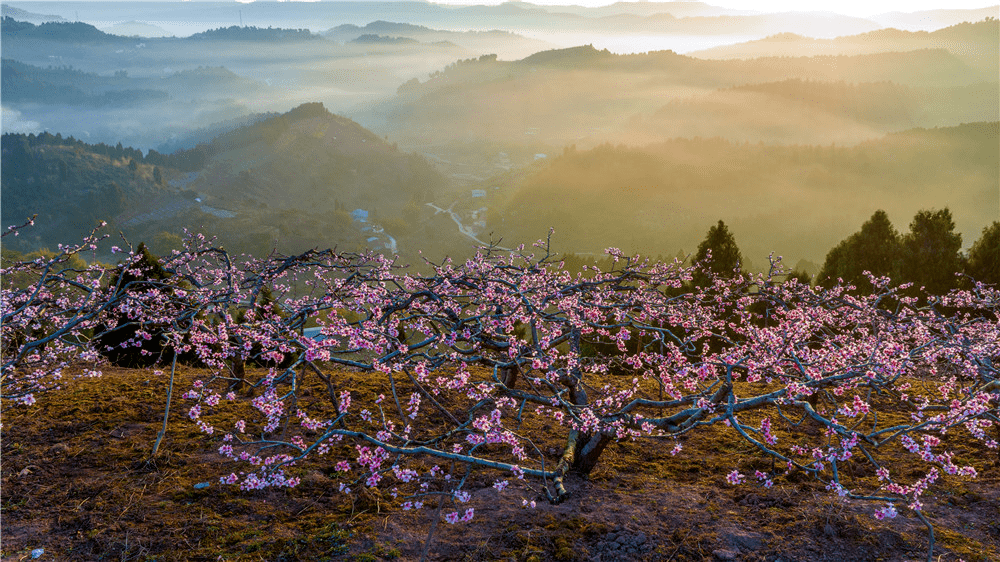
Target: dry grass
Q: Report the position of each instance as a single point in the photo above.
(77, 481)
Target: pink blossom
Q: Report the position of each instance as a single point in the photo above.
(735, 478)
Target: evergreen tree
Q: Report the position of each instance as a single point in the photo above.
(984, 256)
(931, 255)
(109, 342)
(726, 257)
(875, 248)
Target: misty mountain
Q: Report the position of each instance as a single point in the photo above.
(308, 157)
(677, 9)
(348, 31)
(207, 82)
(255, 34)
(24, 83)
(136, 29)
(213, 77)
(505, 44)
(50, 90)
(626, 18)
(976, 44)
(24, 15)
(384, 40)
(805, 111)
(929, 20)
(204, 135)
(60, 31)
(582, 95)
(797, 200)
(487, 114)
(289, 181)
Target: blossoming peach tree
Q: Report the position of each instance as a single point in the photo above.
(481, 366)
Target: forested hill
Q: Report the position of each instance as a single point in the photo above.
(71, 185)
(25, 83)
(65, 85)
(70, 32)
(78, 32)
(572, 95)
(258, 34)
(292, 159)
(796, 200)
(287, 182)
(975, 43)
(24, 15)
(924, 66)
(812, 112)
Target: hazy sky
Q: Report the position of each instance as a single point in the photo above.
(849, 7)
(867, 8)
(854, 8)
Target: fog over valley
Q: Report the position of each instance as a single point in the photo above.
(427, 130)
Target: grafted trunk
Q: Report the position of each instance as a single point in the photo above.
(239, 373)
(589, 449)
(508, 376)
(582, 449)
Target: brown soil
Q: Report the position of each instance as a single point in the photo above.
(76, 482)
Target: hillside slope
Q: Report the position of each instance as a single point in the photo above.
(289, 182)
(975, 43)
(576, 95)
(798, 201)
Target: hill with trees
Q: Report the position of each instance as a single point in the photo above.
(255, 34)
(586, 95)
(61, 31)
(507, 44)
(24, 83)
(974, 43)
(289, 181)
(799, 111)
(798, 200)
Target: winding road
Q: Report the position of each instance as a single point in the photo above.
(461, 227)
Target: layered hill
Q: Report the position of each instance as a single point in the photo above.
(583, 94)
(31, 17)
(65, 85)
(63, 31)
(143, 90)
(814, 112)
(976, 44)
(929, 20)
(506, 44)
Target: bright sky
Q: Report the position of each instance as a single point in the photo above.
(853, 8)
(847, 7)
(868, 8)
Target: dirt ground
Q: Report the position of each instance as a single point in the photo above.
(77, 482)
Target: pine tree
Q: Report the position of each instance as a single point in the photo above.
(109, 340)
(984, 256)
(726, 258)
(875, 248)
(931, 255)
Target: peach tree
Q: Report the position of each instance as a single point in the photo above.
(410, 383)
